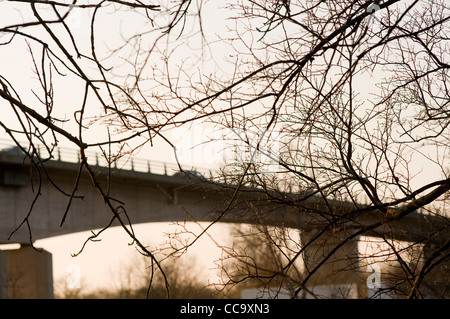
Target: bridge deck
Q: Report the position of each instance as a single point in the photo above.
(150, 197)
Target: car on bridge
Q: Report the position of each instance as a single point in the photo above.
(14, 150)
(190, 174)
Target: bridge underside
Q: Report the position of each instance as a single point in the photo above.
(146, 198)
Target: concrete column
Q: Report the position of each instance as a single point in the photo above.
(340, 272)
(26, 274)
(436, 283)
(3, 274)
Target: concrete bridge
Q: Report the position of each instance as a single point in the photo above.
(153, 197)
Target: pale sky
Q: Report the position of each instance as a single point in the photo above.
(98, 262)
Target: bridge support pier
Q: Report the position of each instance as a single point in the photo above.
(340, 275)
(436, 283)
(26, 274)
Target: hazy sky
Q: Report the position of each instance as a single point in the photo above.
(99, 259)
(100, 262)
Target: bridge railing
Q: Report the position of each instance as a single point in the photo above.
(126, 162)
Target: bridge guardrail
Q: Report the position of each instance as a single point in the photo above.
(126, 162)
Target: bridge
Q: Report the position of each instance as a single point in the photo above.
(157, 192)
